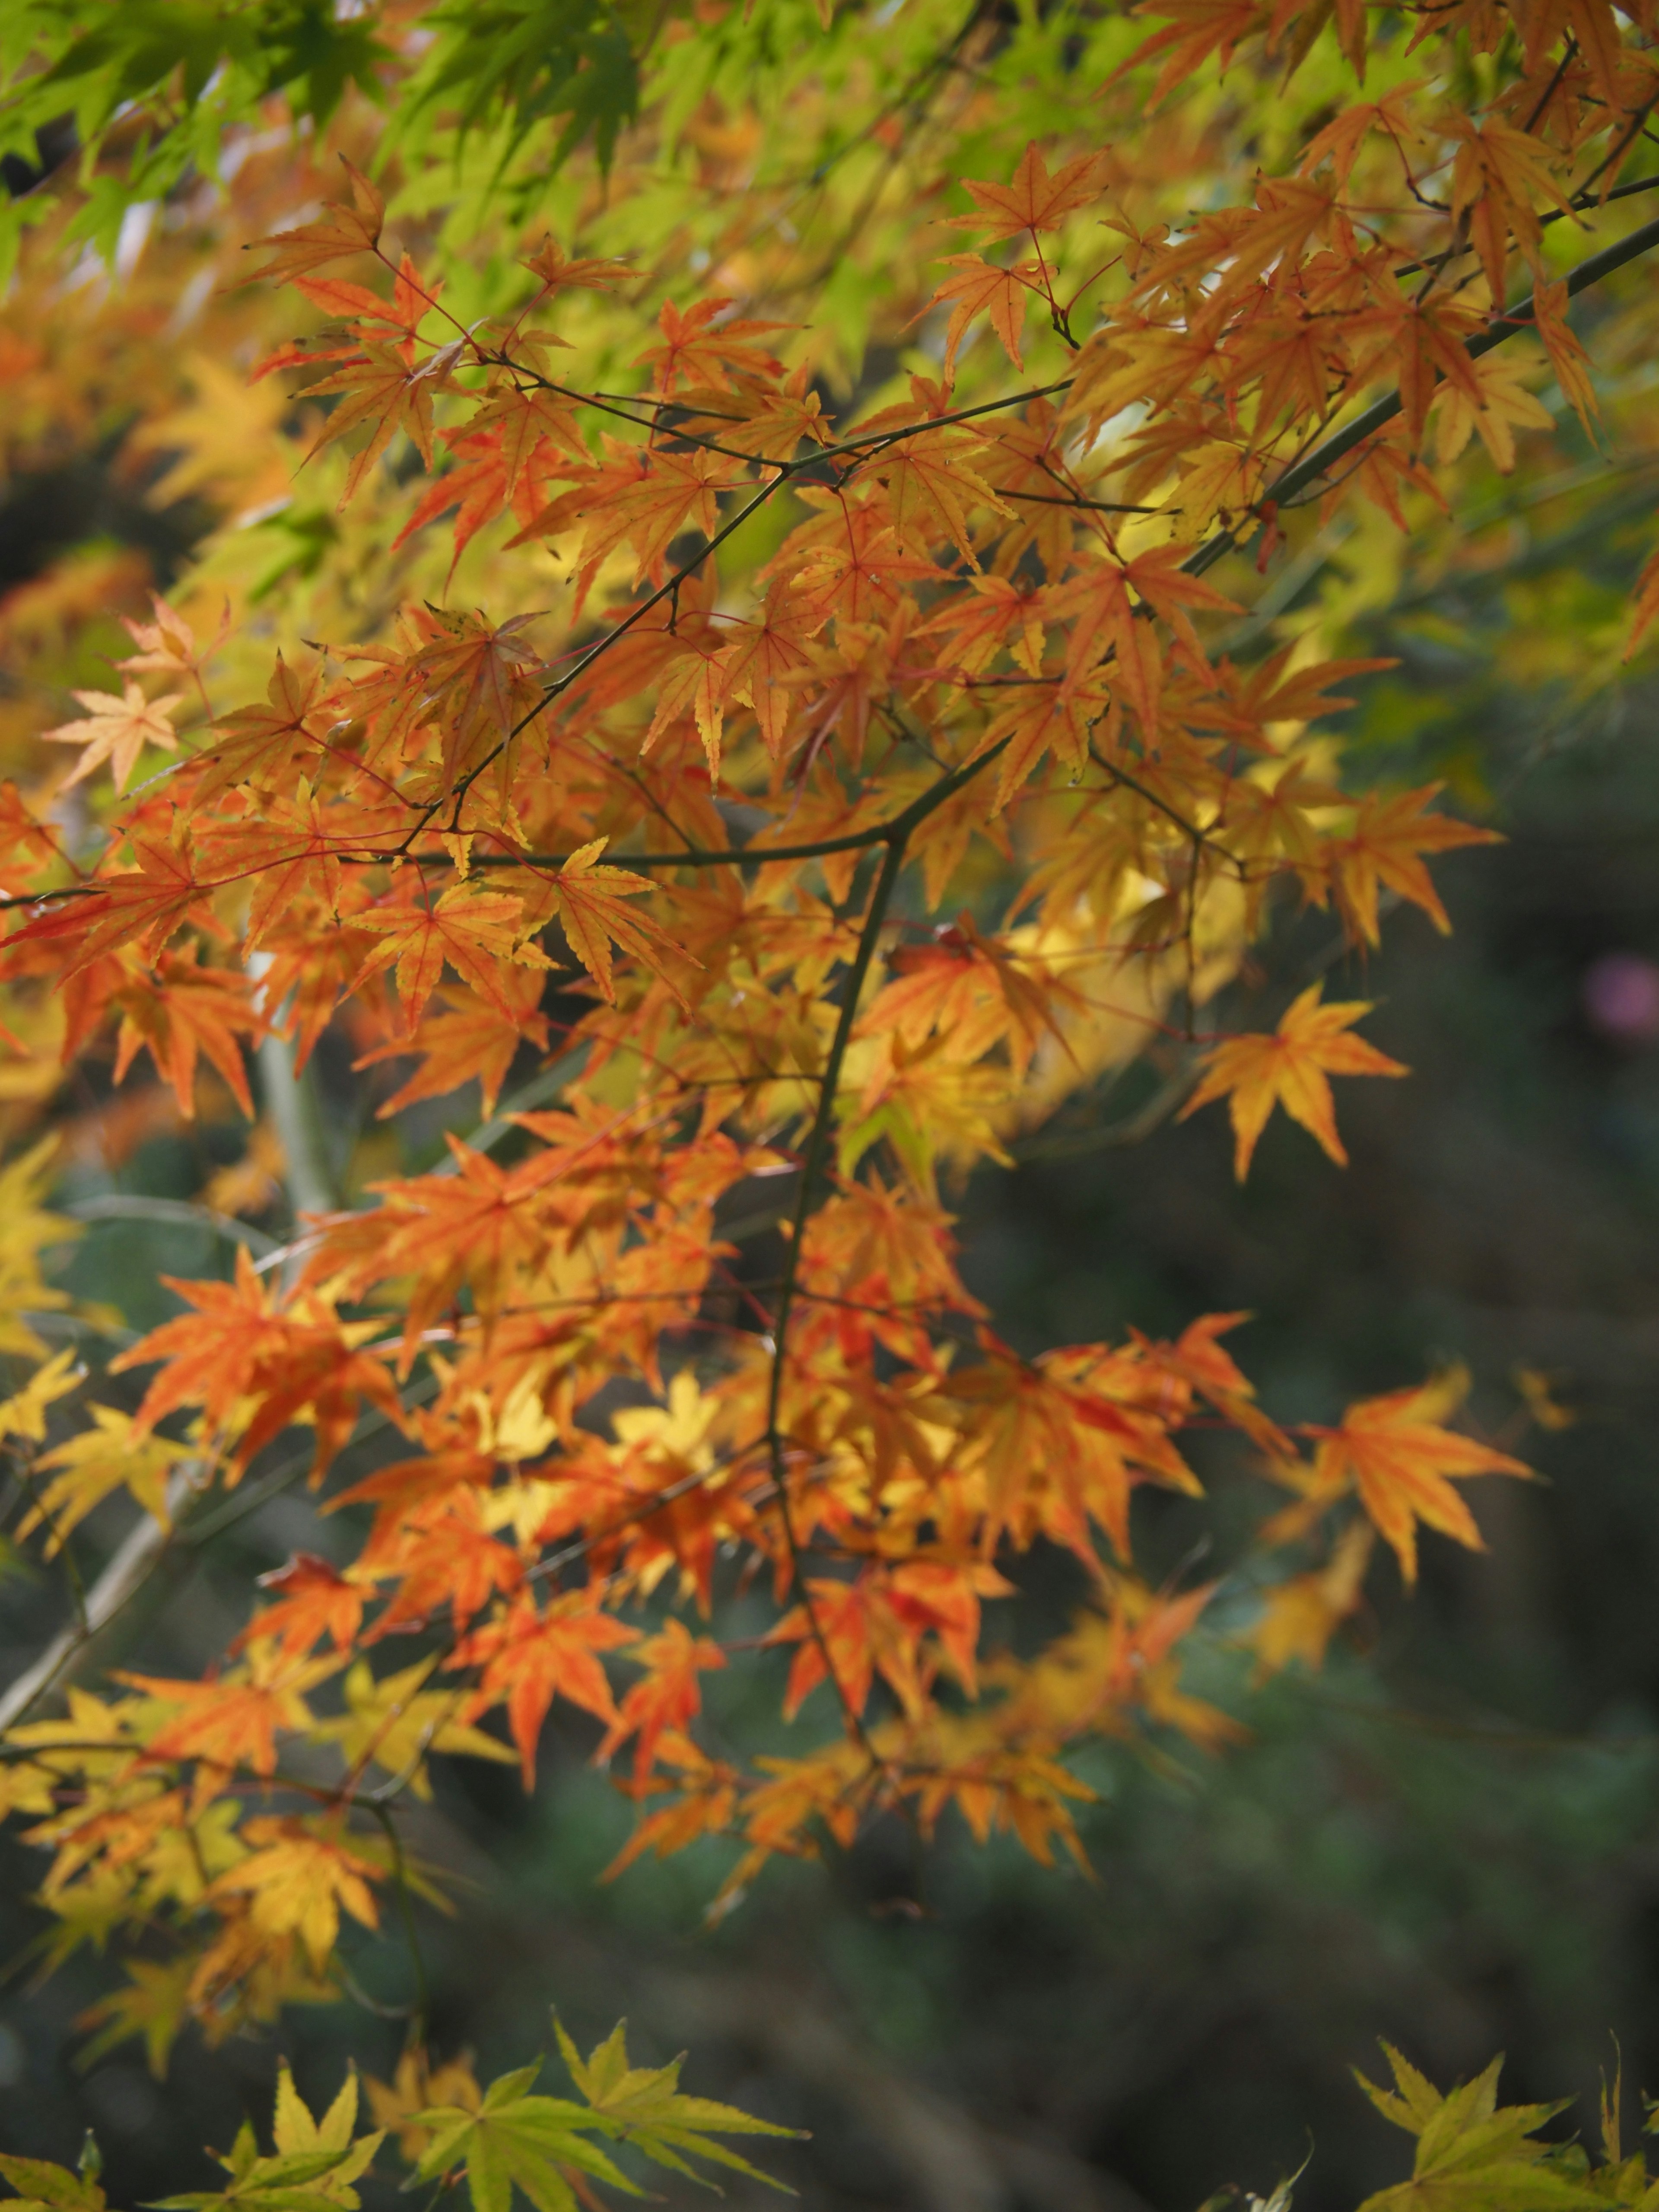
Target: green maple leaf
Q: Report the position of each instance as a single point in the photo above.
(1472, 2154)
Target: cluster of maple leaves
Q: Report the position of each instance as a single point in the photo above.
(687, 840)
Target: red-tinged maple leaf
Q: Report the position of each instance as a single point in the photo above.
(668, 1698)
(706, 1805)
(1497, 174)
(1004, 294)
(342, 229)
(702, 347)
(588, 899)
(464, 1041)
(976, 991)
(1568, 359)
(470, 929)
(117, 731)
(235, 1350)
(1389, 834)
(1048, 717)
(558, 271)
(1403, 1464)
(1340, 139)
(994, 613)
(931, 490)
(760, 660)
(262, 744)
(1034, 200)
(142, 906)
(182, 1010)
(378, 388)
(444, 1561)
(312, 1601)
(475, 680)
(529, 1657)
(1196, 29)
(1289, 1069)
(232, 1721)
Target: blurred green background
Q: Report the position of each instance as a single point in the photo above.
(1448, 1839)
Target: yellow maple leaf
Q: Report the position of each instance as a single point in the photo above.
(101, 1460)
(1301, 1616)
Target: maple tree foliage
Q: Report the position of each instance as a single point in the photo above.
(808, 781)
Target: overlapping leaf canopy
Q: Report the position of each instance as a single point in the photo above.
(754, 615)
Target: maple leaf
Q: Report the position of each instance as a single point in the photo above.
(1403, 1464)
(298, 1881)
(1300, 1616)
(1645, 610)
(255, 1370)
(528, 1657)
(1034, 200)
(466, 1040)
(558, 272)
(587, 898)
(470, 929)
(344, 229)
(704, 346)
(392, 1723)
(111, 1456)
(142, 906)
(234, 1721)
(169, 643)
(154, 2006)
(1289, 1069)
(1470, 2149)
(646, 2106)
(183, 1009)
(380, 388)
(24, 1413)
(1494, 401)
(668, 1698)
(1390, 832)
(264, 742)
(312, 1601)
(1003, 295)
(117, 729)
(1197, 29)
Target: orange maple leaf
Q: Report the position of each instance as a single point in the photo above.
(667, 1699)
(141, 906)
(341, 230)
(235, 1720)
(312, 1601)
(1403, 1464)
(464, 1041)
(588, 899)
(235, 1347)
(1383, 848)
(470, 929)
(529, 1657)
(183, 1009)
(1289, 1069)
(1034, 200)
(1004, 294)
